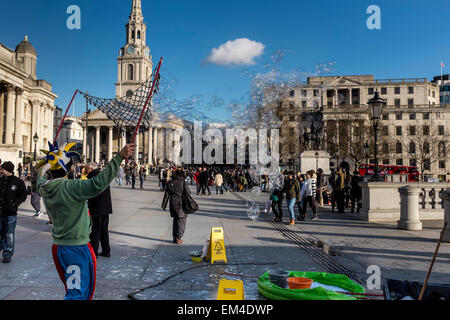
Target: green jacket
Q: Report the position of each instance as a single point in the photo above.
(292, 189)
(65, 201)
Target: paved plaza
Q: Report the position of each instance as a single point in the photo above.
(143, 255)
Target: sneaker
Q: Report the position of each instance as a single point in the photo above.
(6, 259)
(292, 222)
(38, 214)
(315, 218)
(50, 222)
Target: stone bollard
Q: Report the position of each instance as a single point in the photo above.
(446, 199)
(409, 208)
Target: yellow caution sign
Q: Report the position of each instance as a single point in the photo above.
(216, 248)
(230, 290)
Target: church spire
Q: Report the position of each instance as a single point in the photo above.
(136, 9)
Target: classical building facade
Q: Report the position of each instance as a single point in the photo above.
(336, 106)
(26, 104)
(71, 129)
(102, 139)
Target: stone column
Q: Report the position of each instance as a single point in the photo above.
(2, 108)
(446, 199)
(110, 143)
(136, 150)
(177, 147)
(97, 144)
(155, 145)
(150, 146)
(85, 140)
(19, 115)
(409, 208)
(10, 111)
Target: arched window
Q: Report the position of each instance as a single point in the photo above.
(139, 34)
(132, 34)
(130, 72)
(398, 147)
(441, 149)
(385, 148)
(412, 147)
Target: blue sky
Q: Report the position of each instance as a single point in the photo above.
(412, 41)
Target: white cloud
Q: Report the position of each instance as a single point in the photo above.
(241, 51)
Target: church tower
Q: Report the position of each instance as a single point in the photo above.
(134, 61)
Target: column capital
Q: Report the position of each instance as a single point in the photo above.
(19, 91)
(9, 87)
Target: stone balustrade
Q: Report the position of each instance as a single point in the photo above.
(381, 200)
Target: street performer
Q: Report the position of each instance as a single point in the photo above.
(65, 200)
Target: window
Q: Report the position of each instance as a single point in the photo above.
(441, 149)
(426, 116)
(139, 34)
(330, 104)
(412, 147)
(441, 164)
(441, 130)
(304, 93)
(397, 102)
(398, 130)
(413, 162)
(426, 164)
(426, 147)
(385, 148)
(397, 90)
(410, 90)
(412, 116)
(398, 147)
(303, 104)
(291, 104)
(384, 90)
(385, 116)
(130, 72)
(412, 130)
(370, 91)
(398, 116)
(385, 130)
(316, 93)
(434, 94)
(426, 130)
(410, 103)
(291, 118)
(132, 34)
(399, 162)
(386, 161)
(291, 93)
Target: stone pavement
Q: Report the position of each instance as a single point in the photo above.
(143, 254)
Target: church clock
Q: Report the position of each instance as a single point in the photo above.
(130, 50)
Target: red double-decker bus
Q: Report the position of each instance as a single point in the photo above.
(412, 172)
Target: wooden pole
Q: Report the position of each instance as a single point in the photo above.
(432, 262)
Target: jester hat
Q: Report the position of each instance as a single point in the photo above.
(58, 158)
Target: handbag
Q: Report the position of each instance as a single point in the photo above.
(187, 202)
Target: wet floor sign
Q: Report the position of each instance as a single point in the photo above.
(216, 248)
(230, 290)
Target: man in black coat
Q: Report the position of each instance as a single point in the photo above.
(100, 208)
(12, 194)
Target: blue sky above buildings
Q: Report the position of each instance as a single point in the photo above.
(412, 41)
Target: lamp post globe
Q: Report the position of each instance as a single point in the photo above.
(376, 105)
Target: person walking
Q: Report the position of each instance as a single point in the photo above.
(277, 204)
(12, 194)
(134, 173)
(308, 196)
(173, 196)
(356, 192)
(218, 182)
(292, 190)
(100, 208)
(35, 197)
(340, 190)
(120, 175)
(142, 173)
(320, 184)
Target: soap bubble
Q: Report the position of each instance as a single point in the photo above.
(256, 190)
(253, 211)
(268, 208)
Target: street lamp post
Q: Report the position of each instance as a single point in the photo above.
(376, 105)
(35, 140)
